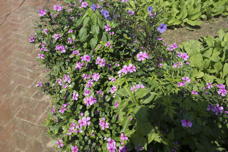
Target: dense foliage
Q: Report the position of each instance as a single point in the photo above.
(116, 86)
(182, 12)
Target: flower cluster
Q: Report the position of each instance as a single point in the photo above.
(217, 109)
(127, 69)
(186, 123)
(184, 81)
(103, 124)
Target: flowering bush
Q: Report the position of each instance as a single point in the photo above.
(116, 87)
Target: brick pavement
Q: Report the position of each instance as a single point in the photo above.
(22, 106)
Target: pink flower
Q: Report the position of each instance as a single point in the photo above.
(111, 145)
(63, 108)
(100, 62)
(86, 76)
(172, 47)
(60, 143)
(56, 36)
(60, 48)
(209, 85)
(85, 121)
(86, 58)
(184, 56)
(96, 76)
(41, 56)
(76, 52)
(84, 4)
(89, 84)
(45, 31)
(42, 12)
(100, 92)
(127, 69)
(113, 89)
(32, 39)
(137, 86)
(103, 124)
(66, 78)
(123, 137)
(221, 86)
(116, 104)
(112, 79)
(177, 65)
(88, 101)
(86, 92)
(74, 149)
(79, 65)
(75, 96)
(194, 92)
(186, 79)
(222, 92)
(108, 44)
(107, 28)
(181, 84)
(57, 8)
(141, 56)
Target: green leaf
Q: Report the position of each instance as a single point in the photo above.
(196, 60)
(83, 34)
(194, 23)
(225, 70)
(154, 137)
(141, 92)
(93, 42)
(95, 29)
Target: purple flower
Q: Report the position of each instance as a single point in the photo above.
(108, 44)
(184, 56)
(85, 121)
(111, 145)
(79, 65)
(93, 7)
(84, 5)
(181, 84)
(141, 56)
(124, 1)
(194, 92)
(42, 12)
(137, 86)
(162, 28)
(186, 79)
(89, 84)
(150, 9)
(221, 86)
(107, 28)
(123, 149)
(63, 108)
(39, 84)
(222, 92)
(66, 78)
(74, 149)
(76, 52)
(177, 65)
(116, 104)
(86, 92)
(75, 96)
(127, 69)
(186, 123)
(217, 109)
(88, 101)
(105, 13)
(60, 143)
(41, 56)
(103, 124)
(32, 39)
(57, 8)
(86, 58)
(123, 137)
(45, 31)
(69, 40)
(60, 48)
(113, 89)
(96, 76)
(70, 31)
(56, 36)
(130, 12)
(101, 62)
(172, 47)
(209, 85)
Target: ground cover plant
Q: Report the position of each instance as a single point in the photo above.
(116, 86)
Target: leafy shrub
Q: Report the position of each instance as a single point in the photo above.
(190, 12)
(209, 57)
(116, 87)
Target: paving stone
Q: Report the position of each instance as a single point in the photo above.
(23, 108)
